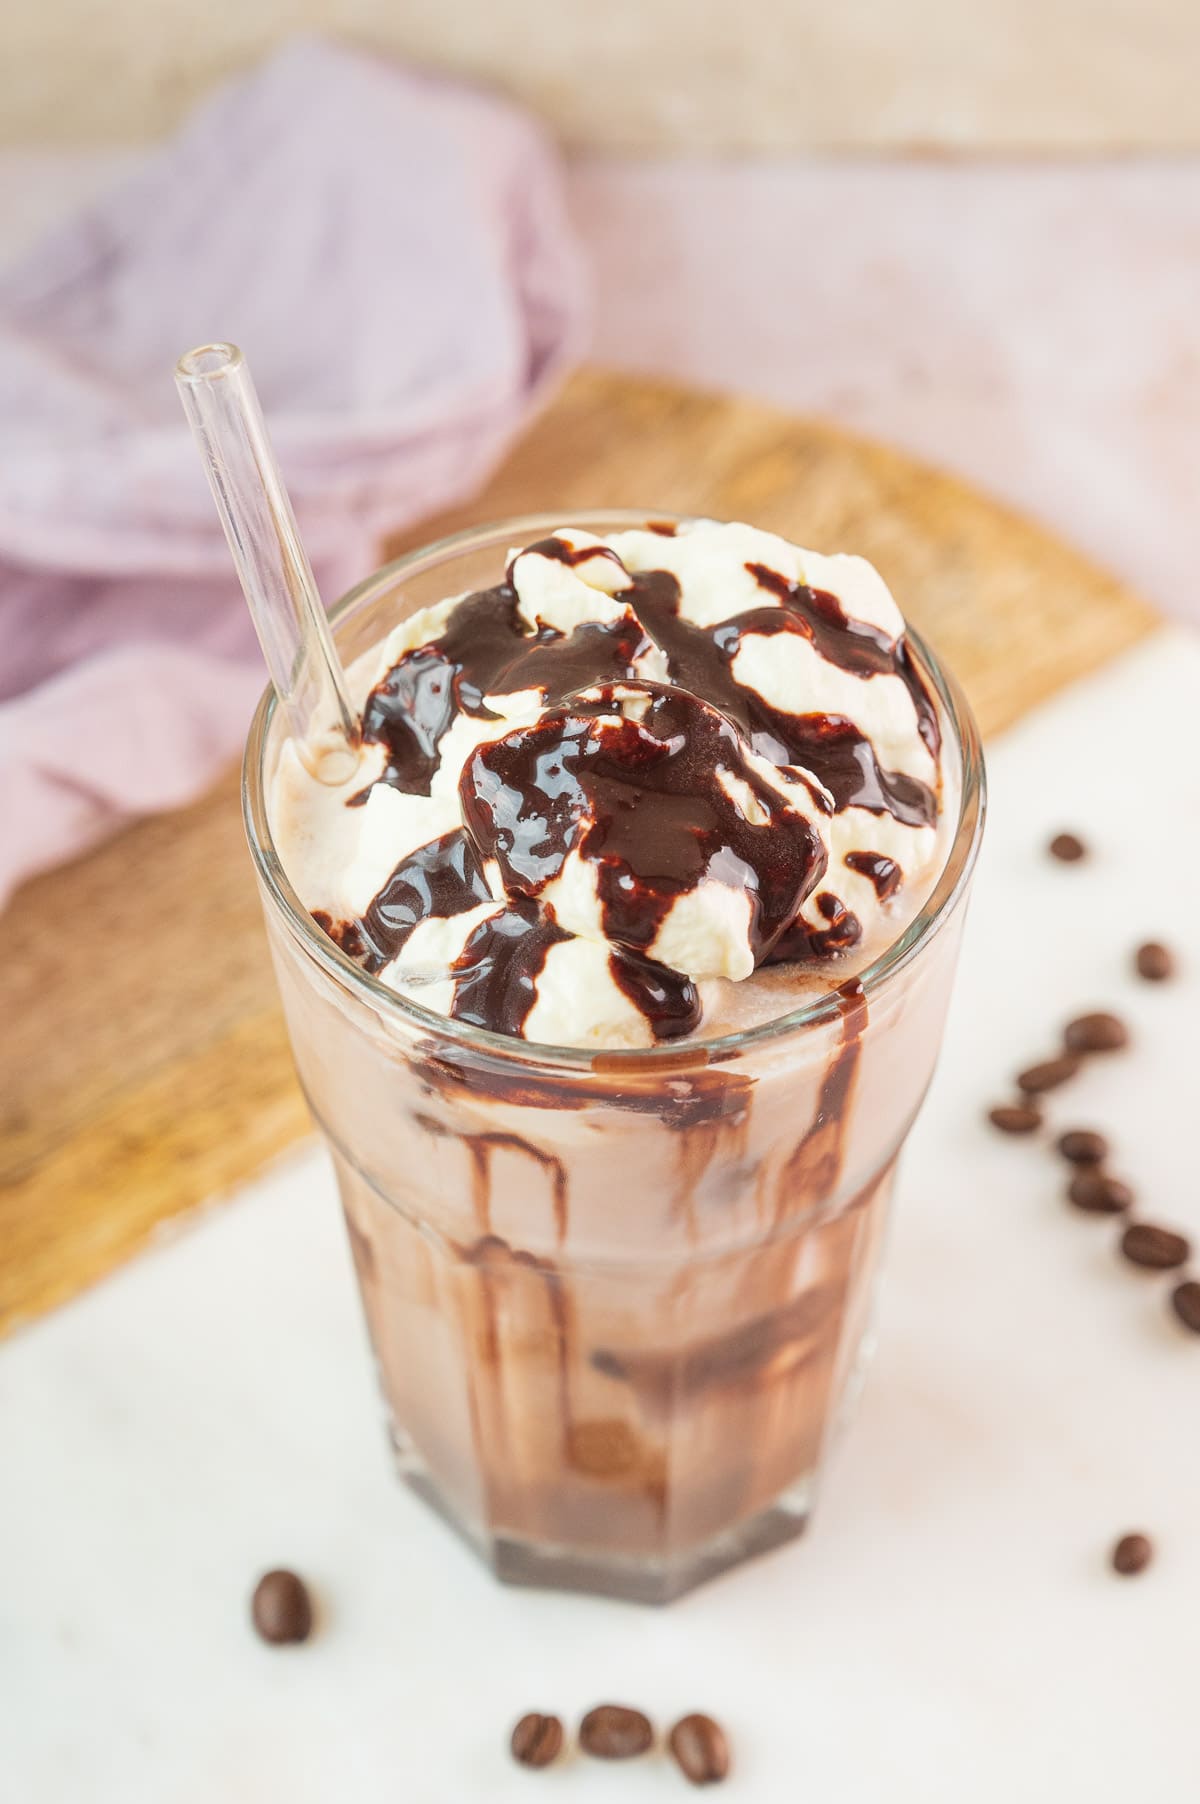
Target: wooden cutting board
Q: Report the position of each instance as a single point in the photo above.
(144, 1065)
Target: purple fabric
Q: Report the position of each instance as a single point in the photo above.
(392, 253)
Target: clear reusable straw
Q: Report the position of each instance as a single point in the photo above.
(227, 423)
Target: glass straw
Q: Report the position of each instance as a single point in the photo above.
(223, 411)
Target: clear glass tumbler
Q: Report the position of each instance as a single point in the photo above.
(616, 1299)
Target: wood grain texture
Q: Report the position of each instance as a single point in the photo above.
(144, 1065)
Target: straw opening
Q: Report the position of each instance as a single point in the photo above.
(207, 362)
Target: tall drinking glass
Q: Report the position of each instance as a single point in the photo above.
(616, 1299)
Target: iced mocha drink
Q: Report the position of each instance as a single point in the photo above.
(615, 976)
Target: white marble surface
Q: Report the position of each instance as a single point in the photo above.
(948, 1629)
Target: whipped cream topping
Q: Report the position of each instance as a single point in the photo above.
(637, 770)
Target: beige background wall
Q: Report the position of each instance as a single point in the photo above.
(740, 74)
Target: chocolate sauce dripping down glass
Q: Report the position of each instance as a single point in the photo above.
(810, 1174)
(814, 1166)
(730, 1358)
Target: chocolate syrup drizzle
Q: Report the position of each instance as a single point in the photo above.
(498, 968)
(641, 800)
(668, 999)
(481, 1148)
(700, 660)
(442, 878)
(854, 645)
(884, 873)
(562, 553)
(487, 647)
(638, 799)
(842, 932)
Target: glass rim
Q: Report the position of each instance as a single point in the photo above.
(665, 1057)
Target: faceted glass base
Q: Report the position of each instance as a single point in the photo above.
(643, 1579)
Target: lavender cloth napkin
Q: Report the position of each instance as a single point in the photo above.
(393, 254)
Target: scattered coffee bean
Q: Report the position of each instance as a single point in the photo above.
(1132, 1554)
(537, 1740)
(1082, 1146)
(615, 1732)
(1097, 1193)
(1162, 1249)
(1068, 847)
(1154, 962)
(1046, 1076)
(1185, 1301)
(1096, 1033)
(700, 1749)
(281, 1608)
(1020, 1118)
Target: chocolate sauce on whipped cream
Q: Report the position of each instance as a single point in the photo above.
(485, 648)
(700, 660)
(668, 999)
(853, 645)
(644, 801)
(883, 873)
(499, 966)
(841, 933)
(443, 878)
(657, 786)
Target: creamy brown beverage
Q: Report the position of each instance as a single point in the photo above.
(615, 976)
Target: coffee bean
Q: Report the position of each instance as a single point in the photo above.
(1046, 1076)
(1132, 1554)
(1162, 1249)
(1068, 847)
(1185, 1301)
(1021, 1118)
(615, 1732)
(1096, 1033)
(1082, 1146)
(1154, 962)
(281, 1608)
(700, 1749)
(1098, 1194)
(536, 1739)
